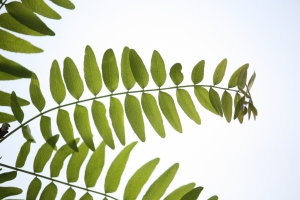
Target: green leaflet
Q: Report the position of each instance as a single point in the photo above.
(198, 72)
(203, 97)
(138, 69)
(27, 134)
(45, 126)
(251, 81)
(134, 115)
(168, 108)
(86, 196)
(92, 73)
(59, 158)
(75, 162)
(82, 122)
(233, 81)
(179, 192)
(116, 169)
(239, 107)
(237, 97)
(65, 128)
(5, 117)
(160, 185)
(15, 107)
(101, 123)
(34, 189)
(9, 23)
(49, 192)
(8, 176)
(110, 70)
(64, 3)
(126, 73)
(242, 78)
(116, 114)
(9, 191)
(193, 194)
(215, 101)
(10, 70)
(5, 100)
(213, 198)
(57, 86)
(9, 42)
(219, 72)
(176, 74)
(23, 153)
(70, 194)
(36, 95)
(138, 180)
(153, 114)
(44, 154)
(186, 103)
(26, 17)
(40, 7)
(253, 110)
(72, 78)
(227, 105)
(158, 70)
(94, 166)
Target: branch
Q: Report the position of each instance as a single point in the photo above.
(2, 4)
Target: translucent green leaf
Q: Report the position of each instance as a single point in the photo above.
(251, 81)
(179, 192)
(193, 194)
(153, 114)
(34, 189)
(198, 72)
(5, 100)
(219, 72)
(138, 179)
(94, 166)
(134, 115)
(160, 185)
(27, 134)
(186, 103)
(11, 70)
(45, 126)
(242, 78)
(9, 191)
(82, 122)
(44, 154)
(158, 70)
(40, 7)
(227, 105)
(72, 78)
(101, 122)
(116, 169)
(70, 194)
(36, 95)
(57, 86)
(12, 43)
(253, 110)
(8, 176)
(75, 162)
(203, 97)
(241, 115)
(213, 198)
(23, 153)
(237, 97)
(176, 74)
(233, 81)
(64, 3)
(167, 106)
(26, 17)
(110, 70)
(126, 73)
(65, 128)
(49, 192)
(215, 101)
(15, 107)
(239, 107)
(138, 69)
(86, 196)
(116, 113)
(5, 117)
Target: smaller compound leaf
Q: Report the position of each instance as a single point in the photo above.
(233, 81)
(160, 185)
(8, 176)
(45, 126)
(10, 70)
(34, 188)
(227, 105)
(176, 74)
(219, 72)
(110, 70)
(9, 191)
(57, 86)
(94, 166)
(75, 162)
(116, 113)
(138, 180)
(92, 73)
(215, 101)
(169, 110)
(27, 134)
(70, 194)
(242, 78)
(198, 72)
(49, 192)
(158, 70)
(23, 154)
(15, 107)
(215, 197)
(239, 107)
(203, 98)
(72, 78)
(5, 117)
(193, 194)
(36, 95)
(138, 69)
(126, 73)
(179, 192)
(116, 169)
(86, 196)
(251, 81)
(5, 99)
(40, 7)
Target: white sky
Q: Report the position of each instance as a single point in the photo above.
(257, 160)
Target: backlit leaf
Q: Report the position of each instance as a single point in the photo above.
(40, 7)
(27, 134)
(242, 78)
(138, 69)
(158, 70)
(5, 100)
(45, 126)
(86, 196)
(215, 101)
(64, 3)
(176, 74)
(34, 188)
(179, 192)
(15, 107)
(213, 198)
(203, 97)
(8, 176)
(233, 81)
(116, 114)
(23, 153)
(9, 191)
(70, 194)
(219, 72)
(36, 95)
(126, 73)
(193, 194)
(198, 72)
(110, 70)
(10, 70)
(49, 192)
(57, 86)
(227, 105)
(239, 107)
(237, 97)
(251, 81)
(5, 117)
